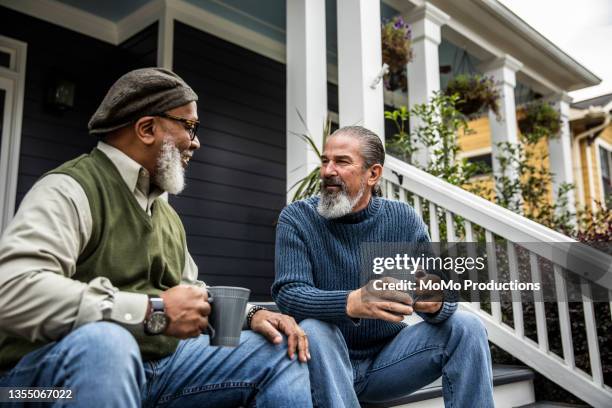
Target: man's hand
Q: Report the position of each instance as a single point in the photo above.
(369, 303)
(427, 301)
(187, 309)
(271, 325)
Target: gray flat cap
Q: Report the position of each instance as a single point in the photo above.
(139, 93)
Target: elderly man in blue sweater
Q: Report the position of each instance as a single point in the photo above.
(361, 350)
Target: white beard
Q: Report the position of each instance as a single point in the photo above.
(169, 171)
(339, 204)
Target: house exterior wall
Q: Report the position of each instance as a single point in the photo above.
(586, 148)
(236, 181)
(478, 139)
(51, 137)
(589, 170)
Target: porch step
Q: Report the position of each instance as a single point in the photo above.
(550, 404)
(512, 387)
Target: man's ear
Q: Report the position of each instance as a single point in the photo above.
(375, 174)
(145, 129)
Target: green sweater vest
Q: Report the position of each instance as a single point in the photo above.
(135, 251)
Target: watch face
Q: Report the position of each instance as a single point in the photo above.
(157, 323)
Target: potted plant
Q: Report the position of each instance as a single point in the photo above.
(538, 119)
(396, 52)
(475, 92)
(310, 185)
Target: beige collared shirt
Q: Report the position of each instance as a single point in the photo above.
(38, 255)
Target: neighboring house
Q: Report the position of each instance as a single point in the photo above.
(590, 145)
(255, 65)
(590, 121)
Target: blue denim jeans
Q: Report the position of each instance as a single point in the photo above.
(101, 362)
(456, 349)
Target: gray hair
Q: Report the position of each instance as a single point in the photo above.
(372, 149)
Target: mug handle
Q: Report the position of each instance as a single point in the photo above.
(210, 330)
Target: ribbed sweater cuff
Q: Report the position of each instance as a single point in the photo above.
(324, 305)
(447, 309)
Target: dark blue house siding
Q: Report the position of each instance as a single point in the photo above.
(236, 181)
(51, 137)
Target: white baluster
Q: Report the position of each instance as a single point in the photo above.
(389, 193)
(434, 229)
(402, 194)
(591, 331)
(469, 232)
(492, 260)
(538, 298)
(469, 239)
(517, 306)
(450, 227)
(419, 210)
(564, 317)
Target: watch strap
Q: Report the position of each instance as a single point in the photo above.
(157, 304)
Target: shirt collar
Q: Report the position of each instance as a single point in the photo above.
(135, 176)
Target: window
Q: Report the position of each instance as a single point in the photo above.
(2, 99)
(5, 59)
(605, 161)
(12, 81)
(485, 161)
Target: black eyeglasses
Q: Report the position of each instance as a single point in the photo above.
(190, 125)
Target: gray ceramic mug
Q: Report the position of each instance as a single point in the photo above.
(228, 305)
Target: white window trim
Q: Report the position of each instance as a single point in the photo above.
(606, 146)
(473, 153)
(12, 80)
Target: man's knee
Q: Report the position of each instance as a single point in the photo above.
(468, 324)
(319, 329)
(314, 326)
(106, 341)
(322, 334)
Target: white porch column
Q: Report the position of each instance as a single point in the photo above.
(165, 39)
(359, 63)
(503, 71)
(306, 85)
(560, 152)
(424, 69)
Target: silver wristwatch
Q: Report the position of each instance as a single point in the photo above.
(157, 321)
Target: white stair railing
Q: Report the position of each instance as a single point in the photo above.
(423, 191)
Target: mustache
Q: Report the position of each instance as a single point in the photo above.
(333, 181)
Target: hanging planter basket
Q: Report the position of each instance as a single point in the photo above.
(476, 92)
(396, 52)
(538, 120)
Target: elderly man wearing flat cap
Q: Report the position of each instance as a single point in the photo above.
(94, 252)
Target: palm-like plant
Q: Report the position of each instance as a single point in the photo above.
(311, 184)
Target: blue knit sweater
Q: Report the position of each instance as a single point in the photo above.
(317, 265)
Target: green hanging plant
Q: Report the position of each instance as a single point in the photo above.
(396, 52)
(538, 120)
(311, 184)
(475, 92)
